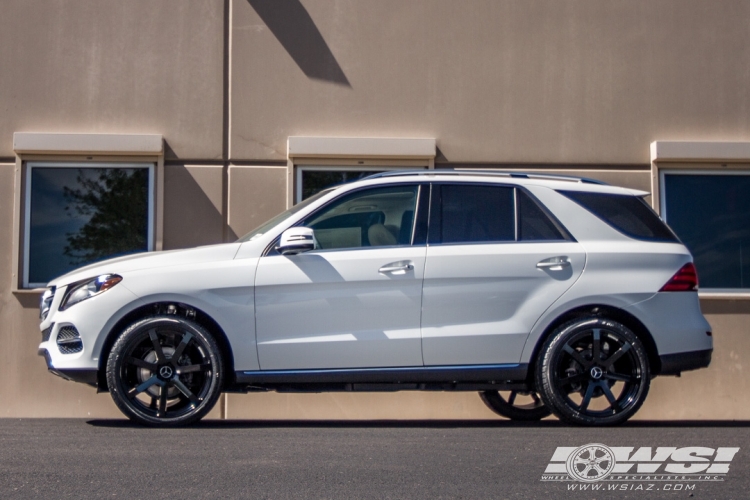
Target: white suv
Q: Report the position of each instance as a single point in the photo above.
(543, 293)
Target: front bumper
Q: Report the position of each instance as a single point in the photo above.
(83, 375)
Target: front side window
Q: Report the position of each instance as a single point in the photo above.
(710, 212)
(77, 214)
(368, 218)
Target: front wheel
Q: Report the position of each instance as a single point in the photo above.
(593, 371)
(165, 371)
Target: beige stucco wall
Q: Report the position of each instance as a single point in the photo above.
(494, 80)
(107, 66)
(193, 205)
(256, 193)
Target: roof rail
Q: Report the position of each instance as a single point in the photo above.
(489, 173)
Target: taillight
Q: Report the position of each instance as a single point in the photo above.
(684, 280)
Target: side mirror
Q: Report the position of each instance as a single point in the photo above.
(296, 240)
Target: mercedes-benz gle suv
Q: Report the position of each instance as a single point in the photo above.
(542, 293)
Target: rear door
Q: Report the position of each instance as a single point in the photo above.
(496, 260)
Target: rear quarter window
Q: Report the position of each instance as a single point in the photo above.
(628, 214)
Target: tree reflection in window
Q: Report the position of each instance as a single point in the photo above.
(78, 215)
(115, 202)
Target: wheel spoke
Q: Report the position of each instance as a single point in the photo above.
(512, 397)
(587, 396)
(572, 379)
(619, 377)
(535, 397)
(597, 345)
(616, 355)
(162, 402)
(183, 343)
(608, 393)
(193, 368)
(157, 346)
(575, 355)
(145, 385)
(141, 363)
(184, 390)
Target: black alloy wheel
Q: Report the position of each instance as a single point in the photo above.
(165, 371)
(516, 405)
(593, 371)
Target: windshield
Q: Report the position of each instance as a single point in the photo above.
(260, 231)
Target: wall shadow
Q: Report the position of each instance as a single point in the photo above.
(293, 27)
(190, 217)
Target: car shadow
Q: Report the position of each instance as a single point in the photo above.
(419, 424)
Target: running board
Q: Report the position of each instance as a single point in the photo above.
(478, 374)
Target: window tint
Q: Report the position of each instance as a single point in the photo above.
(533, 223)
(628, 214)
(711, 215)
(367, 218)
(79, 215)
(469, 213)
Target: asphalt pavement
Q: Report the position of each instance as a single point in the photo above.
(492, 459)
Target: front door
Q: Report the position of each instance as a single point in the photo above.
(354, 301)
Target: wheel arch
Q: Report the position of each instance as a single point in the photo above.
(163, 307)
(600, 311)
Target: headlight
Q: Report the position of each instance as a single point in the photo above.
(83, 290)
(46, 302)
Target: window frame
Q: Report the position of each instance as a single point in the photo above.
(21, 213)
(702, 169)
(29, 164)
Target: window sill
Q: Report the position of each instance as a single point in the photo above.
(28, 291)
(724, 295)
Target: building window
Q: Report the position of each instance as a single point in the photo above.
(77, 214)
(710, 212)
(313, 179)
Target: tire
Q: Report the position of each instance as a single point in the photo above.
(527, 410)
(165, 371)
(593, 371)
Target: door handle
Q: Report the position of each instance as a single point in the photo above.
(397, 267)
(554, 263)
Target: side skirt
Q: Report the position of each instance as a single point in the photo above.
(435, 378)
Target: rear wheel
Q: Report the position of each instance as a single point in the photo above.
(593, 371)
(165, 371)
(516, 405)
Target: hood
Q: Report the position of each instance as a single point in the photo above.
(149, 260)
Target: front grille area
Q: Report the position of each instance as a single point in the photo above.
(69, 340)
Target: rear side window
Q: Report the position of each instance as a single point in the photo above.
(533, 223)
(468, 213)
(628, 214)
